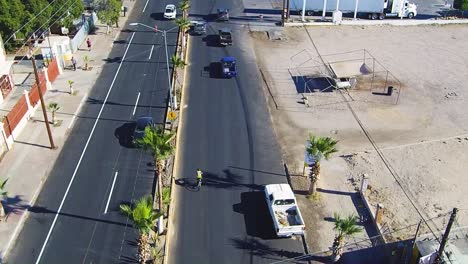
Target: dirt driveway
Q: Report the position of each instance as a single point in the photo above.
(415, 152)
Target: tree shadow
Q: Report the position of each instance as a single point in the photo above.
(113, 60)
(230, 180)
(91, 100)
(13, 205)
(364, 218)
(259, 248)
(126, 260)
(44, 210)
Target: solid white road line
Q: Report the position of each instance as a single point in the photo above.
(136, 104)
(82, 155)
(111, 190)
(144, 8)
(151, 52)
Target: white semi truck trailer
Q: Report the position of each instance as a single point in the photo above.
(374, 9)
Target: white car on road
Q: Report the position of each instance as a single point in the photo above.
(170, 12)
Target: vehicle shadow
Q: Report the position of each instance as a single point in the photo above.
(157, 16)
(214, 70)
(258, 222)
(124, 134)
(211, 41)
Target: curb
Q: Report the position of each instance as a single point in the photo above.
(395, 22)
(173, 203)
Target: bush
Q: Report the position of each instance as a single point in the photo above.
(460, 4)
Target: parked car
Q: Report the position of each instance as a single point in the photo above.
(198, 28)
(141, 125)
(223, 15)
(170, 11)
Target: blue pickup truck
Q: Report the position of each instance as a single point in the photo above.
(228, 67)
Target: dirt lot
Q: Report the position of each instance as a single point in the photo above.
(423, 139)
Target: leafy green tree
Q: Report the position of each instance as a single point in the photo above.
(345, 227)
(39, 17)
(12, 17)
(108, 11)
(143, 216)
(462, 5)
(75, 8)
(319, 148)
(160, 145)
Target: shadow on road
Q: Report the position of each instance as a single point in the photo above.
(211, 41)
(190, 184)
(259, 248)
(124, 134)
(258, 222)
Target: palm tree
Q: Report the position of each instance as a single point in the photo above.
(319, 147)
(183, 24)
(2, 194)
(53, 107)
(160, 145)
(143, 217)
(184, 6)
(70, 84)
(177, 63)
(345, 227)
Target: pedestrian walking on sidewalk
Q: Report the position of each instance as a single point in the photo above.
(73, 61)
(88, 42)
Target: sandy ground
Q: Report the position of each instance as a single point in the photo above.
(423, 139)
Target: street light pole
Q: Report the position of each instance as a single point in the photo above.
(171, 97)
(172, 100)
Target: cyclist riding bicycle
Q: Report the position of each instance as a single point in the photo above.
(199, 177)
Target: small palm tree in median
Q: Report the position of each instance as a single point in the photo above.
(177, 63)
(159, 143)
(183, 24)
(184, 6)
(319, 147)
(345, 227)
(143, 216)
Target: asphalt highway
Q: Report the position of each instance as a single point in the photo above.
(227, 133)
(105, 169)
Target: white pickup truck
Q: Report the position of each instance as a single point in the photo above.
(284, 210)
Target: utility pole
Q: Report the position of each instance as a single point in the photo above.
(46, 120)
(283, 14)
(446, 235)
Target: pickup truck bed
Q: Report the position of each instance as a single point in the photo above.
(287, 218)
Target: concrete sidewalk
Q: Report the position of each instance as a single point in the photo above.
(29, 162)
